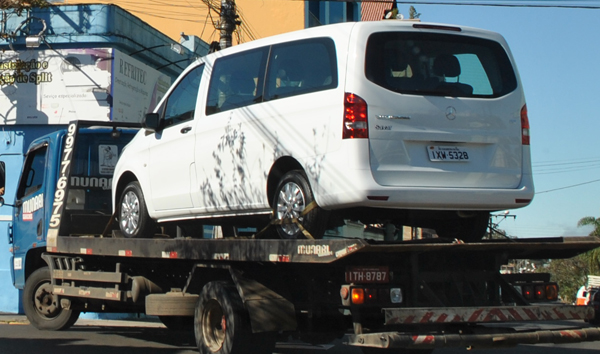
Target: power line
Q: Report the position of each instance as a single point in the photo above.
(566, 187)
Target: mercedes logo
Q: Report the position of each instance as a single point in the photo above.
(451, 113)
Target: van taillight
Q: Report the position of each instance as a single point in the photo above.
(524, 126)
(356, 125)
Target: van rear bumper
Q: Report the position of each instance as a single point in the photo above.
(365, 192)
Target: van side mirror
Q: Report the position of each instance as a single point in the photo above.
(151, 122)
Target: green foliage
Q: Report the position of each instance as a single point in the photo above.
(21, 5)
(570, 274)
(593, 256)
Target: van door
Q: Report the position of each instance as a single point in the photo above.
(233, 145)
(171, 149)
(444, 111)
(29, 228)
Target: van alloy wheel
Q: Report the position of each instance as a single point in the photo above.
(290, 204)
(292, 196)
(134, 220)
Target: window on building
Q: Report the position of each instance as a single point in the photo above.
(328, 12)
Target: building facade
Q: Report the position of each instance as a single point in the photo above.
(258, 18)
(68, 62)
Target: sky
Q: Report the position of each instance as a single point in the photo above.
(557, 52)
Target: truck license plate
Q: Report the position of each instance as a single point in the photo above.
(447, 153)
(367, 275)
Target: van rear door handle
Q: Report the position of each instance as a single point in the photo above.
(184, 130)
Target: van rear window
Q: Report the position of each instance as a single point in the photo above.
(439, 64)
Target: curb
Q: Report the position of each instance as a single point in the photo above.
(13, 319)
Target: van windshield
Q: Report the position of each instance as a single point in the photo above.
(439, 64)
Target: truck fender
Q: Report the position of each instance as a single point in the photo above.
(268, 310)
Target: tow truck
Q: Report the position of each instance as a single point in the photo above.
(240, 294)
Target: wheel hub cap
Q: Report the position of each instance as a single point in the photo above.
(290, 205)
(130, 212)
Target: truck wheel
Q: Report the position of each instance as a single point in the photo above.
(42, 307)
(468, 229)
(134, 220)
(222, 325)
(292, 195)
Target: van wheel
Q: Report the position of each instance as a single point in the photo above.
(468, 229)
(134, 220)
(42, 307)
(222, 325)
(292, 196)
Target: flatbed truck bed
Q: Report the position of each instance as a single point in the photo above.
(239, 294)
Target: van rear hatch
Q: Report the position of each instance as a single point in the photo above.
(444, 110)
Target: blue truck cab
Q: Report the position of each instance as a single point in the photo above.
(40, 195)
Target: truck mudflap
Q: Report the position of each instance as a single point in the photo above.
(475, 333)
(471, 341)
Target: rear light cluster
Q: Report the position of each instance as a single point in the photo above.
(525, 139)
(357, 295)
(538, 291)
(356, 125)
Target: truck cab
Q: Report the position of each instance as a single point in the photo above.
(41, 190)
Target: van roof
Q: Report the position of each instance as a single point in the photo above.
(344, 29)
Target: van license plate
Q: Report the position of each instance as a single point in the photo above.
(447, 153)
(367, 275)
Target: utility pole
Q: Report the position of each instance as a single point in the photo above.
(227, 23)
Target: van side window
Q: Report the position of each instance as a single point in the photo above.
(33, 173)
(301, 67)
(235, 80)
(181, 104)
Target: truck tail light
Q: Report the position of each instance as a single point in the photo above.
(527, 292)
(358, 296)
(356, 125)
(539, 291)
(525, 140)
(551, 292)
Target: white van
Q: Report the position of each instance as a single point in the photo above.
(384, 122)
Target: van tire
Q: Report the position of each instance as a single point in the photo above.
(292, 195)
(134, 220)
(42, 307)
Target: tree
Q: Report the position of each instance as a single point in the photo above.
(21, 5)
(593, 256)
(570, 274)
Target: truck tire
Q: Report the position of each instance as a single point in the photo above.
(222, 324)
(42, 307)
(134, 220)
(292, 195)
